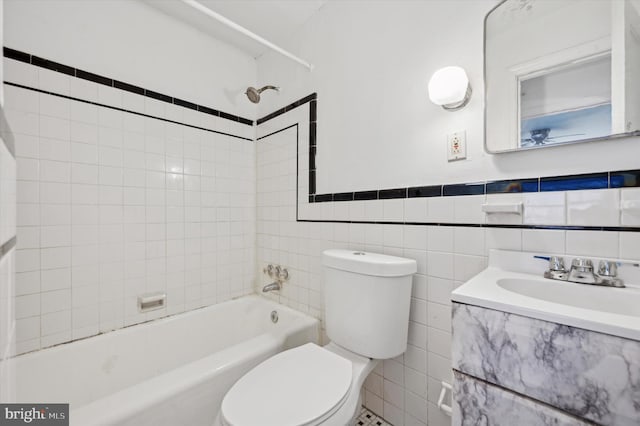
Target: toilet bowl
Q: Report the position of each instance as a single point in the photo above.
(367, 298)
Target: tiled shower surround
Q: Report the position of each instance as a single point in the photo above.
(405, 390)
(119, 200)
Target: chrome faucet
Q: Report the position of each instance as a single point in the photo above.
(278, 273)
(582, 271)
(274, 286)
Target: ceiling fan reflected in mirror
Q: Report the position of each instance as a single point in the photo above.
(538, 137)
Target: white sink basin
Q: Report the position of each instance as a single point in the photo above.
(513, 283)
(624, 301)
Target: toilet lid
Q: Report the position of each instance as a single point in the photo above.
(293, 388)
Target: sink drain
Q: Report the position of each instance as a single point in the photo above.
(274, 316)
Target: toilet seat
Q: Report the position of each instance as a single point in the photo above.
(300, 386)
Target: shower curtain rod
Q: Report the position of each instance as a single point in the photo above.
(229, 23)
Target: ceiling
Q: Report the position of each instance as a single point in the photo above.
(274, 20)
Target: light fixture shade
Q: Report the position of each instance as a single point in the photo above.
(449, 87)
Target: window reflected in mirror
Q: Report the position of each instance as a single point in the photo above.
(566, 103)
(561, 71)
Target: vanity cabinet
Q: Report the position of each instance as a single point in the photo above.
(514, 370)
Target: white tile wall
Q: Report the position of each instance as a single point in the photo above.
(405, 390)
(113, 204)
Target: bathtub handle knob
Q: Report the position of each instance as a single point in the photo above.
(269, 270)
(282, 274)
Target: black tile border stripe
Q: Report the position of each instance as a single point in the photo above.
(604, 180)
(601, 180)
(125, 110)
(291, 106)
(6, 247)
(481, 225)
(106, 81)
(613, 179)
(6, 134)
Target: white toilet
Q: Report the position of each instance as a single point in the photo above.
(367, 298)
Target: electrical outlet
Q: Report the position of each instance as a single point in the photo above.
(457, 146)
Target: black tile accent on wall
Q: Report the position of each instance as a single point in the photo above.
(312, 182)
(208, 110)
(287, 108)
(463, 189)
(425, 191)
(313, 111)
(53, 66)
(128, 87)
(624, 179)
(320, 198)
(386, 194)
(158, 96)
(343, 196)
(365, 195)
(17, 55)
(574, 182)
(185, 104)
(312, 157)
(96, 78)
(512, 186)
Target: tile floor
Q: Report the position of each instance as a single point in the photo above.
(367, 418)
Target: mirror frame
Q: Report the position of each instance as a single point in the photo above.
(484, 110)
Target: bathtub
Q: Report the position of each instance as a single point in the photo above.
(171, 371)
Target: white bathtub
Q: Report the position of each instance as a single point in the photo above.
(172, 371)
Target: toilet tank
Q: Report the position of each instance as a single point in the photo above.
(367, 299)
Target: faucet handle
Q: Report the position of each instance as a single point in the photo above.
(283, 274)
(556, 263)
(607, 268)
(583, 265)
(269, 270)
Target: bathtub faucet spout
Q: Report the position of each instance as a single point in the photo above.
(274, 286)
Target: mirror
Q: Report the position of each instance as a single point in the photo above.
(561, 71)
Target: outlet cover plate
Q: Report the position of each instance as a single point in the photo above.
(457, 146)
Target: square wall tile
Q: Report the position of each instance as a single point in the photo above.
(468, 209)
(593, 243)
(544, 208)
(593, 207)
(543, 240)
(630, 207)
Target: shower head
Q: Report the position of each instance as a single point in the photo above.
(254, 94)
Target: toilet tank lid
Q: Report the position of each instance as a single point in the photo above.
(360, 262)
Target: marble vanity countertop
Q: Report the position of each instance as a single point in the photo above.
(614, 311)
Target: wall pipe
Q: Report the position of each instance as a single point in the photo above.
(229, 23)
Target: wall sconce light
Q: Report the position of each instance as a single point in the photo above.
(449, 87)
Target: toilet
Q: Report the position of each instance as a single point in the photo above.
(367, 299)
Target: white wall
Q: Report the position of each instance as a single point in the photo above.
(376, 126)
(134, 43)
